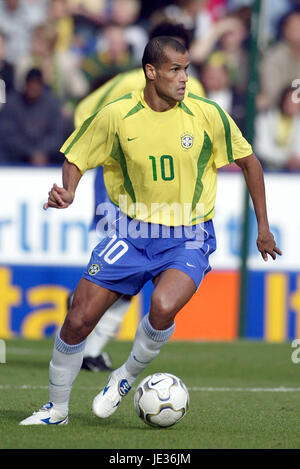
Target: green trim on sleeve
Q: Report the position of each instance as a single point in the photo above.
(185, 108)
(138, 107)
(88, 122)
(126, 96)
(80, 132)
(103, 98)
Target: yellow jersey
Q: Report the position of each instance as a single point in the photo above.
(118, 86)
(159, 167)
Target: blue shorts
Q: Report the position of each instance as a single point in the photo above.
(137, 252)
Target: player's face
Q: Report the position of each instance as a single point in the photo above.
(171, 76)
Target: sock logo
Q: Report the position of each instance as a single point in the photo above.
(139, 361)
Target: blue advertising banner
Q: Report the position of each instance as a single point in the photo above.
(43, 253)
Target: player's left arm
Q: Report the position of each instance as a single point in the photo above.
(254, 178)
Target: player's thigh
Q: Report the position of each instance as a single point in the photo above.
(89, 304)
(172, 290)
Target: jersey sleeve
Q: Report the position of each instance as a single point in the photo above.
(195, 87)
(110, 91)
(84, 109)
(228, 141)
(90, 145)
(95, 101)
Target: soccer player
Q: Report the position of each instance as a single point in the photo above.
(95, 359)
(160, 149)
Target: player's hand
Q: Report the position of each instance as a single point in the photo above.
(59, 198)
(267, 246)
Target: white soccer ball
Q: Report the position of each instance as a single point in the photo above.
(161, 399)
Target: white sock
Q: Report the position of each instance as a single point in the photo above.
(106, 328)
(63, 369)
(146, 346)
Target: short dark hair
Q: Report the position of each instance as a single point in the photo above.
(175, 30)
(34, 74)
(154, 52)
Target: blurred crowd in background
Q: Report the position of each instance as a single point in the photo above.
(53, 53)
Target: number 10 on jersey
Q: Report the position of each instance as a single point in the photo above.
(162, 167)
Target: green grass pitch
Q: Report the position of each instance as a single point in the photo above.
(242, 395)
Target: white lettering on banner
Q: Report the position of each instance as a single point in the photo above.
(296, 93)
(31, 236)
(2, 351)
(2, 92)
(295, 355)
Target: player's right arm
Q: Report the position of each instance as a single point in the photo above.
(62, 197)
(87, 147)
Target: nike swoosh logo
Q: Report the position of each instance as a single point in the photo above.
(130, 139)
(47, 421)
(190, 265)
(53, 384)
(139, 361)
(153, 384)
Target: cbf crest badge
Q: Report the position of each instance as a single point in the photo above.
(187, 141)
(94, 269)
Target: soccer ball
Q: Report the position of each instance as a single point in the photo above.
(161, 400)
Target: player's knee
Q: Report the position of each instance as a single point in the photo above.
(161, 312)
(77, 325)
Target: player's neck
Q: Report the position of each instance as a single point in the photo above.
(156, 102)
